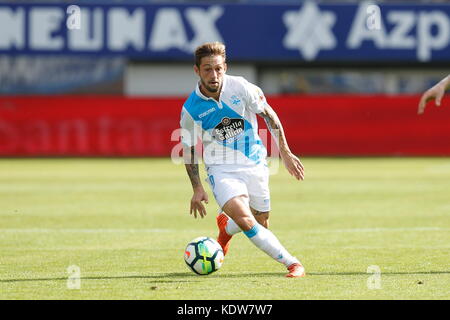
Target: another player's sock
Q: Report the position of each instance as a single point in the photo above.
(265, 240)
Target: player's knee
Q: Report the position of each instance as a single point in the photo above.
(238, 210)
(265, 223)
(263, 219)
(246, 222)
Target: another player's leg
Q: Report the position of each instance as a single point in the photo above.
(238, 209)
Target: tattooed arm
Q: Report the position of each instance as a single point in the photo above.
(200, 195)
(291, 162)
(191, 164)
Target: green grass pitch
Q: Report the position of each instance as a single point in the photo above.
(125, 223)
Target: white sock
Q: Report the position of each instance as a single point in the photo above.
(267, 242)
(232, 228)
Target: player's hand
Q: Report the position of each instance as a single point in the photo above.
(293, 165)
(196, 203)
(436, 92)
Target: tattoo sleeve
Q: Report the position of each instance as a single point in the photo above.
(191, 164)
(274, 125)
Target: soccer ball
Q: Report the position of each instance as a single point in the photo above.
(203, 255)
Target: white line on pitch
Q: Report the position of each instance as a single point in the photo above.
(160, 230)
(361, 230)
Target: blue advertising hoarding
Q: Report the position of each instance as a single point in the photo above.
(306, 32)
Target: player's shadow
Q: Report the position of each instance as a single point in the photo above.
(277, 274)
(140, 277)
(178, 277)
(186, 277)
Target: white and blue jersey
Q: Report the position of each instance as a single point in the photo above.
(228, 128)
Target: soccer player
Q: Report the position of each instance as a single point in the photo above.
(222, 111)
(436, 92)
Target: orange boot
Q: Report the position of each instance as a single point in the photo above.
(224, 238)
(296, 270)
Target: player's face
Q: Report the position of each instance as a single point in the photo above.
(211, 73)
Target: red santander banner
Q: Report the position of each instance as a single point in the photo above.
(332, 125)
(87, 126)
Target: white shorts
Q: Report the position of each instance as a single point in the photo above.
(228, 182)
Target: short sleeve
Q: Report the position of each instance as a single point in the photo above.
(187, 125)
(256, 101)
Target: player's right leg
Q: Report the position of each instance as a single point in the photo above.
(225, 186)
(227, 228)
(238, 209)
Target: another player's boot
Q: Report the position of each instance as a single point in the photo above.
(296, 270)
(224, 238)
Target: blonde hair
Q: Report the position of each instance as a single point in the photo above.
(209, 49)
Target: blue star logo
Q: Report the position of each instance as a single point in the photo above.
(235, 100)
(309, 30)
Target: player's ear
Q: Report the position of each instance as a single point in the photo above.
(225, 67)
(196, 70)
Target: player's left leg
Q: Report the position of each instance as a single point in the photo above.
(228, 228)
(238, 210)
(262, 217)
(259, 196)
(257, 183)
